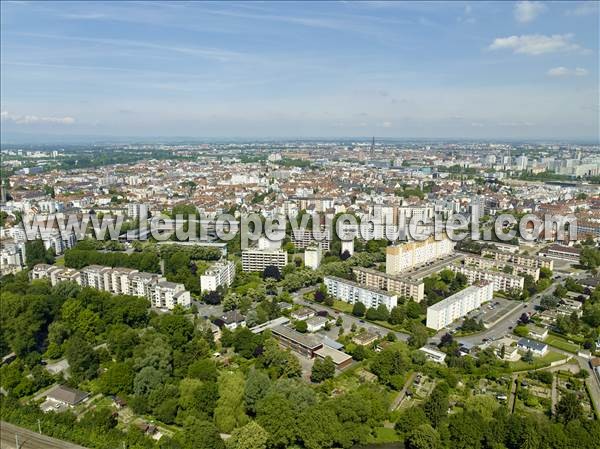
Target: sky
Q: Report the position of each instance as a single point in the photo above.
(498, 70)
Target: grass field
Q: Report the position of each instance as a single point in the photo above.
(384, 435)
(561, 343)
(538, 362)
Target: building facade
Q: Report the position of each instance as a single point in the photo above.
(403, 286)
(402, 257)
(351, 292)
(220, 274)
(258, 260)
(458, 305)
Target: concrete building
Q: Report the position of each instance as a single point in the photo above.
(403, 286)
(518, 259)
(537, 348)
(312, 257)
(487, 263)
(220, 274)
(501, 281)
(258, 260)
(562, 252)
(351, 292)
(433, 354)
(458, 305)
(303, 238)
(403, 257)
(124, 281)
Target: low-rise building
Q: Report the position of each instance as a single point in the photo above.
(231, 320)
(537, 348)
(537, 332)
(316, 323)
(562, 252)
(303, 313)
(340, 359)
(433, 354)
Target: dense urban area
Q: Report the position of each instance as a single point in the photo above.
(317, 340)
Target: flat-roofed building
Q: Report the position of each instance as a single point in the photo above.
(562, 252)
(433, 354)
(403, 286)
(340, 359)
(501, 281)
(518, 259)
(258, 260)
(167, 295)
(93, 276)
(404, 256)
(458, 305)
(489, 263)
(301, 343)
(220, 274)
(351, 292)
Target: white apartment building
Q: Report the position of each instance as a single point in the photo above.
(12, 257)
(518, 259)
(303, 238)
(219, 274)
(487, 263)
(458, 305)
(161, 293)
(351, 292)
(167, 295)
(402, 257)
(312, 257)
(258, 260)
(500, 280)
(403, 286)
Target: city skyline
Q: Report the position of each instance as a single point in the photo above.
(508, 70)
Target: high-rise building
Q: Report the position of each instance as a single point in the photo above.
(351, 292)
(458, 305)
(404, 256)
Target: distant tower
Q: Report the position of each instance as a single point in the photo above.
(373, 146)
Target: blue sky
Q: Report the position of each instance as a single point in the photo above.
(265, 69)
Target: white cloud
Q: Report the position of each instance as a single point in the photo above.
(34, 119)
(535, 44)
(564, 71)
(526, 12)
(386, 125)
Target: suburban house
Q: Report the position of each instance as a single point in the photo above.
(536, 347)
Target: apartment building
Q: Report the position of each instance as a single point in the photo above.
(486, 263)
(518, 259)
(12, 256)
(458, 305)
(303, 238)
(161, 293)
(258, 260)
(500, 280)
(220, 274)
(403, 286)
(402, 257)
(352, 292)
(167, 295)
(312, 257)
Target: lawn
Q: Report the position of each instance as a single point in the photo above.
(538, 362)
(342, 306)
(561, 343)
(384, 435)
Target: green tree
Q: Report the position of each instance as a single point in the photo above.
(229, 413)
(423, 437)
(257, 385)
(250, 436)
(322, 370)
(436, 405)
(117, 379)
(83, 360)
(359, 309)
(569, 408)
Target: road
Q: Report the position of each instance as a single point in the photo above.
(30, 440)
(501, 328)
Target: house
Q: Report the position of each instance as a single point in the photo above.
(537, 332)
(284, 305)
(433, 354)
(66, 395)
(231, 320)
(316, 323)
(303, 314)
(511, 353)
(536, 347)
(365, 339)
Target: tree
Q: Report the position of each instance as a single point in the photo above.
(419, 335)
(569, 408)
(359, 309)
(322, 370)
(272, 272)
(423, 437)
(409, 420)
(229, 413)
(257, 386)
(528, 357)
(436, 405)
(83, 361)
(250, 436)
(396, 316)
(117, 379)
(301, 326)
(590, 257)
(345, 255)
(201, 435)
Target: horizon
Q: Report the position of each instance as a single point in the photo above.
(514, 71)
